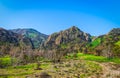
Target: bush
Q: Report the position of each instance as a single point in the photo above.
(5, 61)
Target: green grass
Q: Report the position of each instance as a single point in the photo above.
(93, 58)
(44, 65)
(22, 70)
(117, 43)
(32, 66)
(5, 61)
(16, 72)
(28, 66)
(95, 43)
(9, 71)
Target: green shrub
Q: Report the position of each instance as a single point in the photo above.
(5, 61)
(117, 43)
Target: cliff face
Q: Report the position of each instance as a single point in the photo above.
(72, 35)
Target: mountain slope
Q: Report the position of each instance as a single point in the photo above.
(9, 41)
(36, 37)
(8, 36)
(67, 39)
(106, 45)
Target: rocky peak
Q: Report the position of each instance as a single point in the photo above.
(114, 31)
(74, 28)
(71, 35)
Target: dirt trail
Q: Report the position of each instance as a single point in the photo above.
(110, 70)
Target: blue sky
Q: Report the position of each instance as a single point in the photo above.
(96, 17)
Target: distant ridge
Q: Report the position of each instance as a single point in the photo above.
(36, 37)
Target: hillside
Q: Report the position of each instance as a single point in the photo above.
(70, 38)
(36, 37)
(107, 45)
(70, 53)
(9, 41)
(63, 42)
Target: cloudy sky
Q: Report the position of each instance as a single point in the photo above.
(96, 17)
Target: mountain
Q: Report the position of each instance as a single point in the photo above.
(8, 36)
(9, 41)
(67, 38)
(114, 31)
(36, 37)
(70, 40)
(106, 45)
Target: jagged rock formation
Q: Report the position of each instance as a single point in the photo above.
(36, 37)
(69, 36)
(114, 31)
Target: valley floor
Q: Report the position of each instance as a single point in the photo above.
(78, 66)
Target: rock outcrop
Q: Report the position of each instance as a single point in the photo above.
(72, 35)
